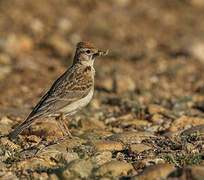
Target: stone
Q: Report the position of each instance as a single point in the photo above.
(101, 158)
(125, 83)
(115, 168)
(138, 148)
(82, 168)
(36, 163)
(185, 121)
(197, 172)
(59, 44)
(103, 145)
(15, 45)
(135, 122)
(92, 124)
(194, 131)
(53, 177)
(106, 84)
(5, 59)
(155, 109)
(156, 172)
(4, 71)
(197, 49)
(130, 137)
(33, 139)
(197, 3)
(157, 118)
(5, 175)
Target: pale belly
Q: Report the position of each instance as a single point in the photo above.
(75, 106)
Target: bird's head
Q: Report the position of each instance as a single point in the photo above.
(86, 53)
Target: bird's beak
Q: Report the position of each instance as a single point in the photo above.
(101, 53)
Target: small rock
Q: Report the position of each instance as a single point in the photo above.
(37, 25)
(6, 120)
(151, 161)
(5, 129)
(194, 131)
(155, 109)
(53, 177)
(198, 3)
(8, 176)
(131, 137)
(46, 128)
(102, 157)
(92, 123)
(197, 172)
(4, 70)
(36, 163)
(115, 168)
(197, 49)
(59, 44)
(106, 84)
(157, 118)
(184, 122)
(156, 172)
(64, 24)
(102, 145)
(15, 45)
(99, 133)
(138, 148)
(125, 83)
(5, 59)
(68, 157)
(135, 122)
(6, 142)
(81, 168)
(33, 139)
(122, 3)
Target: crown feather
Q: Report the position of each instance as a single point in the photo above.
(85, 45)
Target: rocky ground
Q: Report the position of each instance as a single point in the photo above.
(146, 120)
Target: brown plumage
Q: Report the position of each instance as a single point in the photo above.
(70, 92)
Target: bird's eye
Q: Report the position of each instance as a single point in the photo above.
(88, 51)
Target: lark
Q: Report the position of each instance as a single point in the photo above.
(72, 91)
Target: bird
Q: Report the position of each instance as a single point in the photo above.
(72, 91)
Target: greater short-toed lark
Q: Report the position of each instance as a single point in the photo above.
(69, 93)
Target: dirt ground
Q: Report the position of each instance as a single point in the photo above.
(146, 120)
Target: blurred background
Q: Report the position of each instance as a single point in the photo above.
(156, 50)
(147, 90)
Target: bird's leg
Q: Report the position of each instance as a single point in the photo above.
(60, 126)
(68, 133)
(63, 126)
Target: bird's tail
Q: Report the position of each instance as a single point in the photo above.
(20, 128)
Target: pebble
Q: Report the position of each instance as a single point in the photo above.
(5, 59)
(81, 168)
(156, 172)
(4, 71)
(185, 121)
(101, 158)
(59, 44)
(92, 124)
(14, 45)
(197, 49)
(131, 137)
(5, 175)
(196, 130)
(115, 168)
(155, 109)
(197, 172)
(138, 148)
(102, 145)
(36, 162)
(125, 83)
